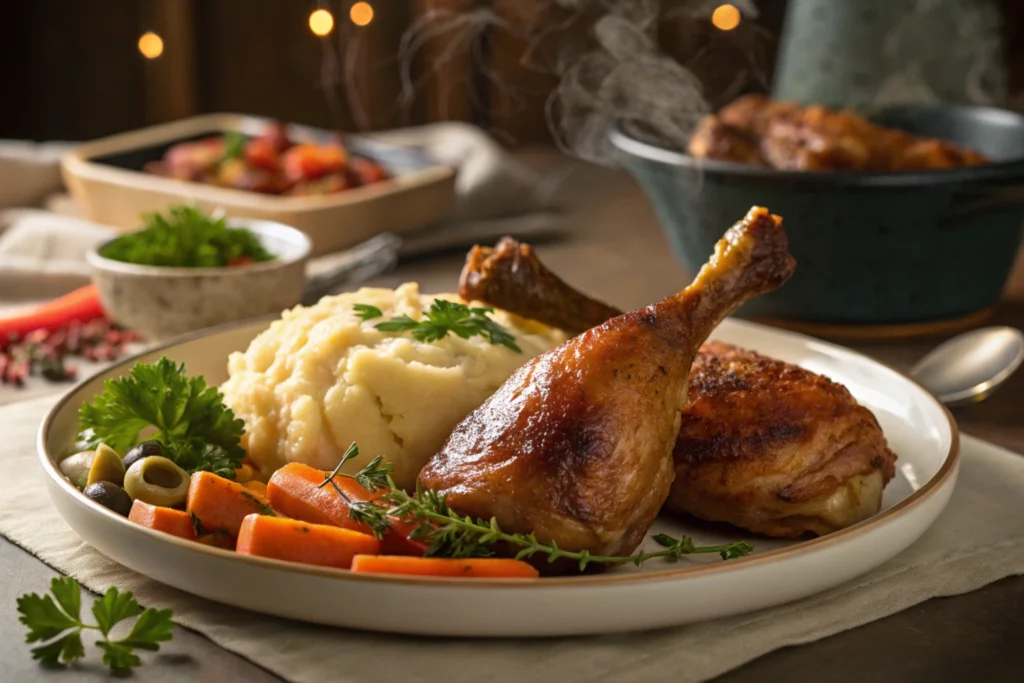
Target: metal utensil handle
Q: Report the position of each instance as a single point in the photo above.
(363, 261)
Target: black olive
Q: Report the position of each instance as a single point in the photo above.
(109, 495)
(143, 450)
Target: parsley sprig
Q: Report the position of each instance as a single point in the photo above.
(58, 619)
(190, 418)
(186, 238)
(443, 317)
(450, 534)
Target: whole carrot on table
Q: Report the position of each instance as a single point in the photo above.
(83, 305)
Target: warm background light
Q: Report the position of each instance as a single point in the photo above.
(151, 45)
(321, 22)
(725, 17)
(361, 13)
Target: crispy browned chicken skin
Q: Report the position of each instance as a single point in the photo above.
(576, 446)
(774, 448)
(764, 445)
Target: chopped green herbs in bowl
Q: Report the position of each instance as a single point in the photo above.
(187, 238)
(179, 273)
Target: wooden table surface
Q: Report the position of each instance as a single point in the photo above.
(614, 250)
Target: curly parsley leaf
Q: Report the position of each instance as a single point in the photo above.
(59, 621)
(190, 418)
(450, 316)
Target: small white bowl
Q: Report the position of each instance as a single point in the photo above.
(163, 302)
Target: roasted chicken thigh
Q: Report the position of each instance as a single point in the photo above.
(763, 445)
(576, 446)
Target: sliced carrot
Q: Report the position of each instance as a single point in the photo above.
(256, 487)
(472, 567)
(174, 522)
(295, 541)
(220, 503)
(295, 491)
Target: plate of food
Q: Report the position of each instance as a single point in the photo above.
(518, 457)
(339, 190)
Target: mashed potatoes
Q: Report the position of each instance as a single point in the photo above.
(320, 378)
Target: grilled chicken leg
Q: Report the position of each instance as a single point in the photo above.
(764, 445)
(576, 446)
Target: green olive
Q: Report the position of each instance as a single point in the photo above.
(157, 481)
(143, 450)
(76, 467)
(106, 466)
(109, 495)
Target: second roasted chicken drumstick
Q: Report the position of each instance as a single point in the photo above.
(576, 446)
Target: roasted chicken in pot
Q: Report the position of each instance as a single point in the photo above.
(763, 445)
(576, 446)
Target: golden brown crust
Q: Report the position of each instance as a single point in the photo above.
(576, 446)
(762, 441)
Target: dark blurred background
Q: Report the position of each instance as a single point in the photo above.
(76, 70)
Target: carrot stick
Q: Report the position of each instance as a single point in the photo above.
(472, 567)
(295, 491)
(83, 304)
(220, 503)
(295, 541)
(174, 522)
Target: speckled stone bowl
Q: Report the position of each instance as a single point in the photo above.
(165, 302)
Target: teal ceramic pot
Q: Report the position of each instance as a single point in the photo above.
(871, 249)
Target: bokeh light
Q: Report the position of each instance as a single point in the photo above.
(361, 13)
(725, 17)
(321, 22)
(151, 45)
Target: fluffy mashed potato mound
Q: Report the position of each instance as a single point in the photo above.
(320, 378)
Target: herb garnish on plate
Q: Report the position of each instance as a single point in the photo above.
(443, 317)
(190, 418)
(186, 238)
(450, 534)
(47, 619)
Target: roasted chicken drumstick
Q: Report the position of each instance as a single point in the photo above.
(576, 446)
(763, 445)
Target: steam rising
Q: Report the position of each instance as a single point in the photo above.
(611, 71)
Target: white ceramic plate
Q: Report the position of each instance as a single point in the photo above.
(659, 594)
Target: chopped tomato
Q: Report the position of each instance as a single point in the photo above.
(277, 136)
(260, 153)
(309, 162)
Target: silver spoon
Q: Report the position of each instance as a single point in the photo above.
(970, 366)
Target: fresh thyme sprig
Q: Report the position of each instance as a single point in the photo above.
(443, 317)
(450, 534)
